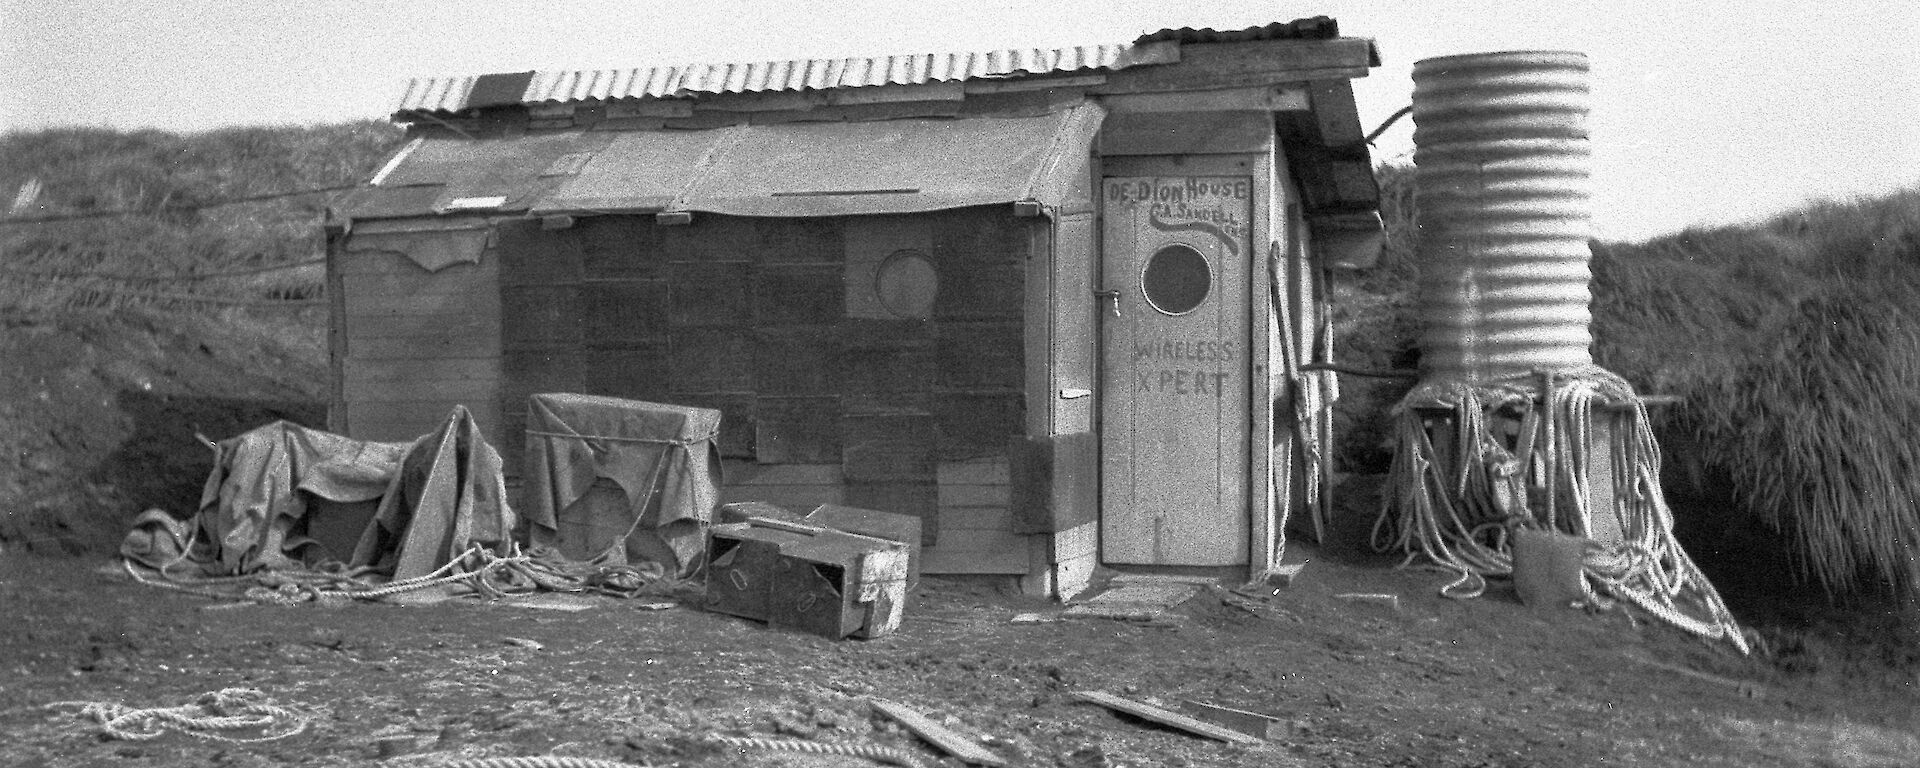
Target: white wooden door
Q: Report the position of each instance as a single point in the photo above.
(1174, 412)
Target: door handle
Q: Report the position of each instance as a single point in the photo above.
(1113, 296)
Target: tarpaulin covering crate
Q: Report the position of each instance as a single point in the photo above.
(617, 480)
(817, 580)
(283, 496)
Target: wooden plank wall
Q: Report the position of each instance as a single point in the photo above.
(417, 343)
(823, 400)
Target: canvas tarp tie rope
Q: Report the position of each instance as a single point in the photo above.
(287, 586)
(230, 709)
(487, 574)
(1457, 506)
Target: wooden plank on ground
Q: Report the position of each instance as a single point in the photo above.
(1250, 723)
(948, 740)
(1165, 717)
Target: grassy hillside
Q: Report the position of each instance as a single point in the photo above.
(140, 310)
(1795, 347)
(146, 217)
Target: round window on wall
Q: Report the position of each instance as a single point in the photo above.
(1177, 279)
(907, 285)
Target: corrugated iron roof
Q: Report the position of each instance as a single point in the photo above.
(1315, 28)
(785, 169)
(450, 94)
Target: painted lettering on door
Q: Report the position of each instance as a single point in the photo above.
(1181, 381)
(1216, 205)
(1181, 370)
(1199, 350)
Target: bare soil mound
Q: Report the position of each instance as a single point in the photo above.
(101, 412)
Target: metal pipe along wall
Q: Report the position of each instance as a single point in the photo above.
(1501, 156)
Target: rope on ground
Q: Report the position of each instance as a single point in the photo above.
(891, 755)
(289, 586)
(540, 761)
(489, 575)
(1458, 499)
(229, 709)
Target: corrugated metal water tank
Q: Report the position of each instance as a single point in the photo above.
(1502, 187)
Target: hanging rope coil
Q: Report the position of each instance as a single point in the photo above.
(1457, 500)
(891, 755)
(229, 709)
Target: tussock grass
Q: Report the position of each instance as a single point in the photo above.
(1795, 344)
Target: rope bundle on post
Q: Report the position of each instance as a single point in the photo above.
(230, 709)
(1458, 501)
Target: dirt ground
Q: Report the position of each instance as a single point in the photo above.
(1486, 682)
(98, 418)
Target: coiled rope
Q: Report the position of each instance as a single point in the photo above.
(891, 755)
(487, 574)
(229, 709)
(540, 761)
(1456, 507)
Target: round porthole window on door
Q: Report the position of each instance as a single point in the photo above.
(907, 284)
(1177, 279)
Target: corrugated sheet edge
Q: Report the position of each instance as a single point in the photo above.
(449, 94)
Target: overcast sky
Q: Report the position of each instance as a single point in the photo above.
(1701, 115)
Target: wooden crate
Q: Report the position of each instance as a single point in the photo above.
(817, 580)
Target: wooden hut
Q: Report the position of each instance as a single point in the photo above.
(1053, 302)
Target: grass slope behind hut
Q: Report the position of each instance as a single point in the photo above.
(1795, 344)
(149, 217)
